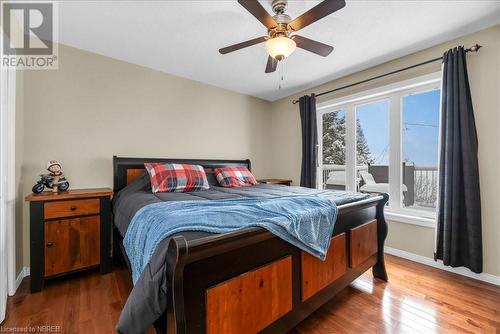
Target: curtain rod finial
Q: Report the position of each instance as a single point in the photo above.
(475, 47)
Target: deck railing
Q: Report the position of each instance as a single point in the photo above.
(340, 168)
(425, 182)
(330, 168)
(426, 185)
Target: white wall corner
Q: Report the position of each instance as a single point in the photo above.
(25, 272)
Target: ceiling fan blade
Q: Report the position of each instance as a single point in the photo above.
(256, 9)
(244, 44)
(271, 65)
(312, 46)
(316, 13)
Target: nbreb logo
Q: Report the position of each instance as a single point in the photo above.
(28, 32)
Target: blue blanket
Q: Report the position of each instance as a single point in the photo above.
(304, 221)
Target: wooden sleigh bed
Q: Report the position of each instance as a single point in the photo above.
(251, 281)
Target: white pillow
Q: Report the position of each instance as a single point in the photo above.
(336, 178)
(367, 178)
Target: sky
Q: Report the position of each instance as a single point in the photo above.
(420, 128)
(374, 119)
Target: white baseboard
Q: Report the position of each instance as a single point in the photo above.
(25, 271)
(485, 277)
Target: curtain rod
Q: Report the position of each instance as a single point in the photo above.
(473, 48)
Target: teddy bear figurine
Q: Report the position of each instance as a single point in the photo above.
(55, 171)
(55, 180)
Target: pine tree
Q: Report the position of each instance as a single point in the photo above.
(363, 150)
(334, 138)
(334, 141)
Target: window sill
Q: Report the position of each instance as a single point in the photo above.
(409, 219)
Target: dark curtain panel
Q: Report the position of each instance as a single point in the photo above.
(307, 105)
(459, 241)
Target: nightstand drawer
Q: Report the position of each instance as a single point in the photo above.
(60, 209)
(71, 244)
(284, 182)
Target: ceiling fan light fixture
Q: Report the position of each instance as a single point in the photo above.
(280, 47)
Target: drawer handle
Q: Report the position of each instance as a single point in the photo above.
(73, 208)
(50, 244)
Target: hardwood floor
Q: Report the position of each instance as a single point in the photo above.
(417, 299)
(85, 302)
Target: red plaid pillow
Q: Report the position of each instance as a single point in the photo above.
(229, 177)
(176, 177)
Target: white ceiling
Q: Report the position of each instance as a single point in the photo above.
(183, 37)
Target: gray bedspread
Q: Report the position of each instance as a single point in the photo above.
(147, 300)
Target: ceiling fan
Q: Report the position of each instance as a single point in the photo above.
(281, 40)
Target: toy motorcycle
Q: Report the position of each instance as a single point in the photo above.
(46, 181)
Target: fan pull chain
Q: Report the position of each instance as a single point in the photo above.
(281, 66)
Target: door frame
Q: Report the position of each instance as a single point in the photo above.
(8, 284)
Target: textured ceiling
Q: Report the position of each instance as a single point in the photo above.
(182, 37)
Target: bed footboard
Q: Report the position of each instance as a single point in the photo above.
(251, 281)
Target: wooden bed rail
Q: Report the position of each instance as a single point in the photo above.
(176, 255)
(208, 246)
(204, 247)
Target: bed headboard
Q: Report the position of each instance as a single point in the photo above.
(126, 170)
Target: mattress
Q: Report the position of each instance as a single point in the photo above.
(138, 194)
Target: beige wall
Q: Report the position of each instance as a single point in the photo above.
(95, 107)
(484, 78)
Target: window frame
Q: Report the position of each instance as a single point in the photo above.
(394, 93)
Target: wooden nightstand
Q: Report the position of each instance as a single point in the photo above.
(276, 181)
(69, 231)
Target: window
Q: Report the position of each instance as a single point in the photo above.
(420, 137)
(384, 140)
(333, 149)
(372, 146)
